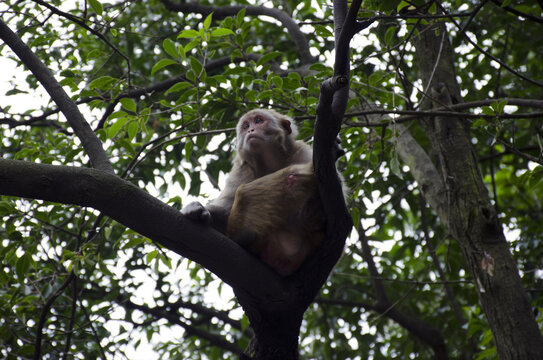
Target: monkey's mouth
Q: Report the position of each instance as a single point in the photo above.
(254, 137)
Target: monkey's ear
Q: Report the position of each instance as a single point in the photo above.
(286, 125)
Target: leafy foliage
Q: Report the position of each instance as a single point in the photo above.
(163, 94)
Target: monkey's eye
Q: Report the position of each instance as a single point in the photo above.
(245, 125)
(258, 119)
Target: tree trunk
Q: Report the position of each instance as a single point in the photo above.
(276, 336)
(276, 327)
(469, 215)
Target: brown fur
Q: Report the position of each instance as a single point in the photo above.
(279, 217)
(270, 202)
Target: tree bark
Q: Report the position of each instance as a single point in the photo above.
(469, 215)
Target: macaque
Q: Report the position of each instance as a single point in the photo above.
(270, 202)
(279, 217)
(265, 143)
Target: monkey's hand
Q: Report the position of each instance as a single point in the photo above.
(338, 149)
(197, 212)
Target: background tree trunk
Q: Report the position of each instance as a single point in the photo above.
(472, 219)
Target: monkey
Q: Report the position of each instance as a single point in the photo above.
(279, 217)
(265, 142)
(270, 203)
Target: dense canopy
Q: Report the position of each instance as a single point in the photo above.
(443, 140)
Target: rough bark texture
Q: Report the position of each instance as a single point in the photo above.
(472, 220)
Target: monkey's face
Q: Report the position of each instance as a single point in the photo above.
(254, 129)
(261, 131)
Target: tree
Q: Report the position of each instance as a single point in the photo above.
(442, 134)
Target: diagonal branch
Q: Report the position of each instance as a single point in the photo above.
(141, 212)
(89, 140)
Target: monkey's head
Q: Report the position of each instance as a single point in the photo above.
(265, 130)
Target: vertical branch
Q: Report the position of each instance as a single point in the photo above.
(330, 112)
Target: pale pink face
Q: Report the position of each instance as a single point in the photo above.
(260, 128)
(254, 128)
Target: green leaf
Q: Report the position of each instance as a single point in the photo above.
(479, 123)
(501, 106)
(170, 48)
(133, 243)
(401, 5)
(181, 51)
(244, 322)
(390, 34)
(191, 45)
(196, 65)
(269, 56)
(277, 81)
(188, 150)
(264, 95)
(117, 114)
(375, 78)
(96, 6)
(487, 111)
(395, 167)
(355, 214)
(486, 354)
(167, 261)
(128, 104)
(133, 128)
(188, 34)
(319, 67)
(240, 16)
(114, 129)
(207, 21)
(151, 256)
(178, 87)
(23, 265)
(162, 64)
(222, 32)
(102, 82)
(323, 31)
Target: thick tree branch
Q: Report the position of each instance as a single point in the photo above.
(136, 209)
(90, 142)
(473, 221)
